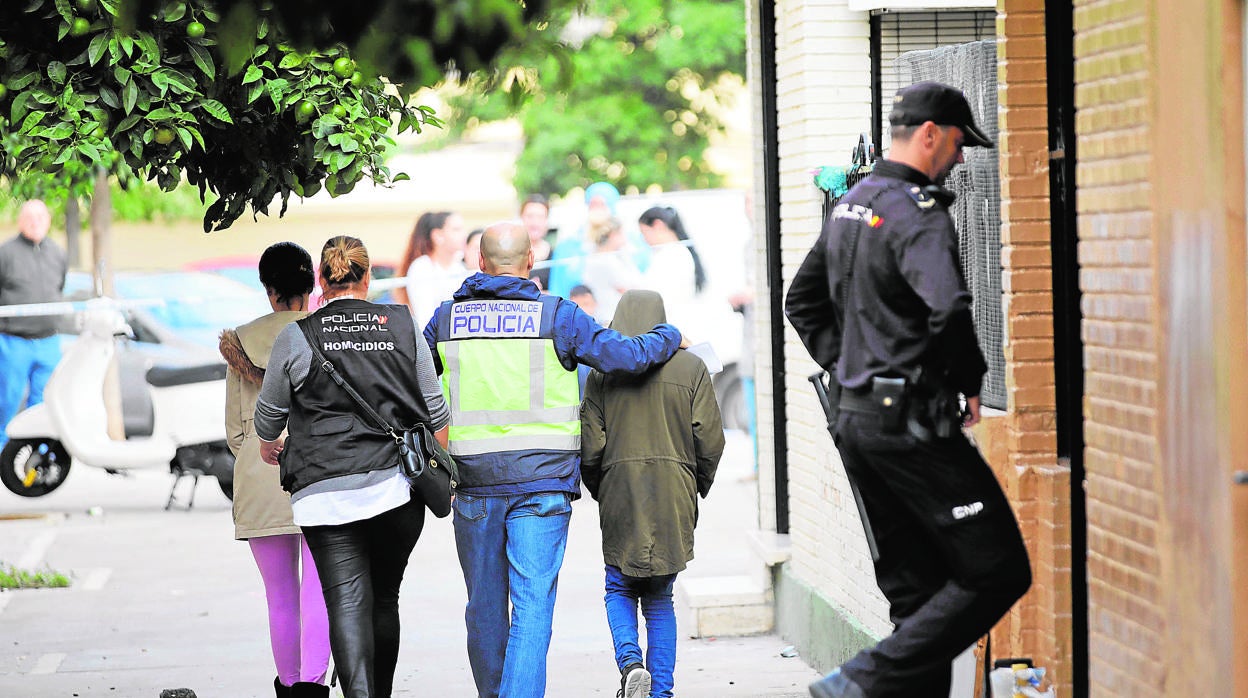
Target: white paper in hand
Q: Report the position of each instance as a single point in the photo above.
(704, 351)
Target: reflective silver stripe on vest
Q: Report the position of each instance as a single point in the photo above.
(451, 369)
(553, 442)
(541, 415)
(537, 381)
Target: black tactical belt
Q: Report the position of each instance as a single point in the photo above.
(852, 402)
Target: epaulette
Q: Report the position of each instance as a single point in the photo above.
(927, 197)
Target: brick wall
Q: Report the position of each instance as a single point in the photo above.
(1026, 461)
(1116, 229)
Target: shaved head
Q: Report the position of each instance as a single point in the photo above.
(33, 220)
(506, 250)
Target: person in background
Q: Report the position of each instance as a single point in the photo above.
(584, 299)
(535, 215)
(298, 624)
(32, 270)
(610, 271)
(519, 450)
(472, 251)
(348, 491)
(650, 445)
(675, 270)
(568, 260)
(433, 263)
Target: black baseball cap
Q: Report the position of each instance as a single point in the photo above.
(941, 104)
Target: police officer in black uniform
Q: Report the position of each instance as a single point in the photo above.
(881, 304)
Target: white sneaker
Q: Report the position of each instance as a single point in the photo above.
(635, 682)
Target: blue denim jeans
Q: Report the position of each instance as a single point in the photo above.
(25, 366)
(655, 594)
(511, 548)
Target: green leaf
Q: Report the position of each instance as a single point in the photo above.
(400, 177)
(217, 110)
(18, 109)
(291, 60)
(56, 72)
(129, 95)
(22, 81)
(90, 151)
(32, 119)
(151, 50)
(127, 45)
(253, 74)
(59, 132)
(257, 89)
(64, 10)
(199, 138)
(99, 44)
(203, 59)
(160, 79)
(109, 97)
(175, 13)
(177, 81)
(128, 123)
(184, 136)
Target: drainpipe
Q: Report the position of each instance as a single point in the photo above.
(775, 278)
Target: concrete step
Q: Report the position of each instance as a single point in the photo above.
(725, 606)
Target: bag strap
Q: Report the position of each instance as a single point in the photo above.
(328, 367)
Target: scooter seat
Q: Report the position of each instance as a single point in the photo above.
(169, 376)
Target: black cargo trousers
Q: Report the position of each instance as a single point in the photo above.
(951, 557)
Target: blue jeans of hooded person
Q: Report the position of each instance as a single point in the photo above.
(655, 595)
(25, 365)
(511, 548)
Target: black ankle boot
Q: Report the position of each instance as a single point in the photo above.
(279, 689)
(307, 689)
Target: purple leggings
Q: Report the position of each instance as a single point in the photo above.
(298, 623)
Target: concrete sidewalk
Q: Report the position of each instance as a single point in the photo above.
(169, 599)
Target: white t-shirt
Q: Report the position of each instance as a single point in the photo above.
(608, 275)
(429, 284)
(671, 274)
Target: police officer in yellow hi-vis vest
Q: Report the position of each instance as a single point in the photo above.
(508, 356)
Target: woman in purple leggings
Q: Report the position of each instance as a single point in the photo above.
(298, 624)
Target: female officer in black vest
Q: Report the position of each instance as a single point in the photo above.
(347, 491)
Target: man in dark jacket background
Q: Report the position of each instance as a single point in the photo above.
(650, 445)
(508, 356)
(32, 270)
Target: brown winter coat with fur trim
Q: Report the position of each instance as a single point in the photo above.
(261, 507)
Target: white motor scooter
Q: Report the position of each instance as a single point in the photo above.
(173, 416)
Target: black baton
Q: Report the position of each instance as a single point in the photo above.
(825, 401)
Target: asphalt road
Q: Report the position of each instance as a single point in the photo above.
(167, 599)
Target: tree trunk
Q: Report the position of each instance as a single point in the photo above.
(73, 227)
(101, 237)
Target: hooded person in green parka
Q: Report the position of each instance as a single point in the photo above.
(650, 445)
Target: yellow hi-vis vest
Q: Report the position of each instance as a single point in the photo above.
(515, 408)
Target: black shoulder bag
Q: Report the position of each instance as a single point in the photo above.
(430, 469)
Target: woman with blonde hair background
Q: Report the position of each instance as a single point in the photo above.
(348, 492)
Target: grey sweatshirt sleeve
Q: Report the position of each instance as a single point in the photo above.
(289, 363)
(430, 387)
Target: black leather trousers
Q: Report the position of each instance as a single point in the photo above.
(361, 566)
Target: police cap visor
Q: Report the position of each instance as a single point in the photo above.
(941, 104)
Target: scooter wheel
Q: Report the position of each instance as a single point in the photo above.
(33, 467)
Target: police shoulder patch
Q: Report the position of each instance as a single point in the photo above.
(922, 199)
